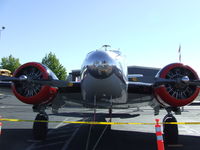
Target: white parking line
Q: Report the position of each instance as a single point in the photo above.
(186, 129)
(65, 147)
(61, 124)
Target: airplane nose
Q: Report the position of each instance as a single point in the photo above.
(100, 65)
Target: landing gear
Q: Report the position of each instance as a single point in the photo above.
(170, 130)
(40, 129)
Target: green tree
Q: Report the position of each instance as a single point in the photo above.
(10, 63)
(53, 63)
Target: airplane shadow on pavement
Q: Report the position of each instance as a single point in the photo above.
(77, 114)
(118, 140)
(14, 139)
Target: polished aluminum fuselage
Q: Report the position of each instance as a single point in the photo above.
(104, 78)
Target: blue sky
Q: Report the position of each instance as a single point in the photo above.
(148, 32)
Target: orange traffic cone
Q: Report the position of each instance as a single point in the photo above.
(160, 143)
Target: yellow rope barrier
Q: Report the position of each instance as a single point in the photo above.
(98, 123)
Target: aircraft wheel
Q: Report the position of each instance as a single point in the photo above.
(40, 129)
(170, 130)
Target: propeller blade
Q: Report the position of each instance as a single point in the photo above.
(6, 78)
(55, 83)
(23, 78)
(162, 81)
(185, 79)
(194, 82)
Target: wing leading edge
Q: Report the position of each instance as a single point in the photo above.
(140, 88)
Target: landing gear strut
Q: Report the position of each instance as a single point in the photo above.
(40, 129)
(170, 130)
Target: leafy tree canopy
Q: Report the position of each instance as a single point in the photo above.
(10, 63)
(53, 63)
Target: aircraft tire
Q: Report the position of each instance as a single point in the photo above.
(40, 129)
(170, 130)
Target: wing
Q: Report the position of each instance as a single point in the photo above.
(140, 88)
(139, 94)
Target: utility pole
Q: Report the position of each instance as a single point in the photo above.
(179, 52)
(2, 28)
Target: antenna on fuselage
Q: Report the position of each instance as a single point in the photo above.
(106, 46)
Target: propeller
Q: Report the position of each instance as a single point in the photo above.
(23, 78)
(183, 80)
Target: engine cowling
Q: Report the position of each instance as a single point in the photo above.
(176, 95)
(32, 93)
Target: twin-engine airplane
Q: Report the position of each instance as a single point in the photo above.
(104, 84)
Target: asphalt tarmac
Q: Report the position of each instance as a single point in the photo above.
(18, 135)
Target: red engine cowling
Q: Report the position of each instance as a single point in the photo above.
(176, 95)
(32, 93)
